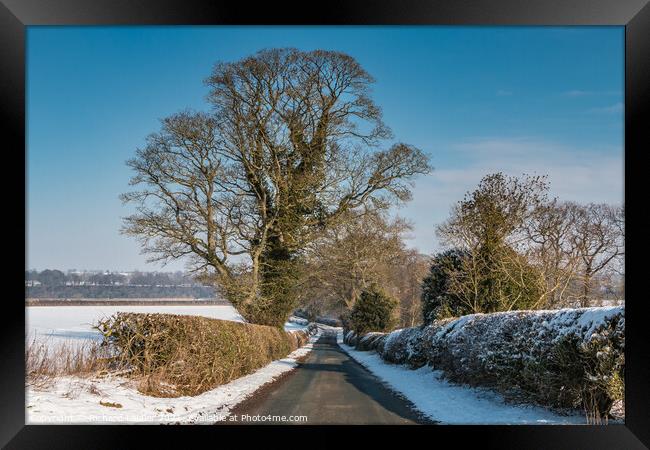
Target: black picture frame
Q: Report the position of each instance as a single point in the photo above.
(15, 15)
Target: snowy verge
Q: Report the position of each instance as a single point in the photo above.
(452, 404)
(115, 399)
(569, 359)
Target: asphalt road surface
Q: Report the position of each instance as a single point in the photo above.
(329, 387)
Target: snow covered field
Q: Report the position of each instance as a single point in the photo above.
(453, 404)
(72, 324)
(72, 400)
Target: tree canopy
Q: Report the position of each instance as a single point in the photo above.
(291, 144)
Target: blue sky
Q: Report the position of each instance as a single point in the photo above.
(477, 99)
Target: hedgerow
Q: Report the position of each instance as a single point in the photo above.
(571, 358)
(174, 355)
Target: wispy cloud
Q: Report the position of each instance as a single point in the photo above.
(583, 93)
(611, 109)
(574, 173)
(576, 93)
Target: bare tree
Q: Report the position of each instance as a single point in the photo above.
(490, 224)
(496, 213)
(365, 249)
(290, 146)
(404, 281)
(551, 248)
(351, 256)
(599, 240)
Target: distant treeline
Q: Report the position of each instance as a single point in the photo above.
(44, 291)
(83, 284)
(54, 277)
(149, 301)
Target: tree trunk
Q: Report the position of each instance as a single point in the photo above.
(584, 301)
(277, 297)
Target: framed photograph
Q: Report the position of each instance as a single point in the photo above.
(396, 214)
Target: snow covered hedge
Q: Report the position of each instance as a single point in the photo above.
(297, 320)
(175, 355)
(328, 321)
(567, 358)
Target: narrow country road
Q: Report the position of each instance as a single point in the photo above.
(329, 387)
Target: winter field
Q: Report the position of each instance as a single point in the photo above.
(115, 399)
(74, 324)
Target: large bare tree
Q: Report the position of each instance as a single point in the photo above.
(290, 145)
